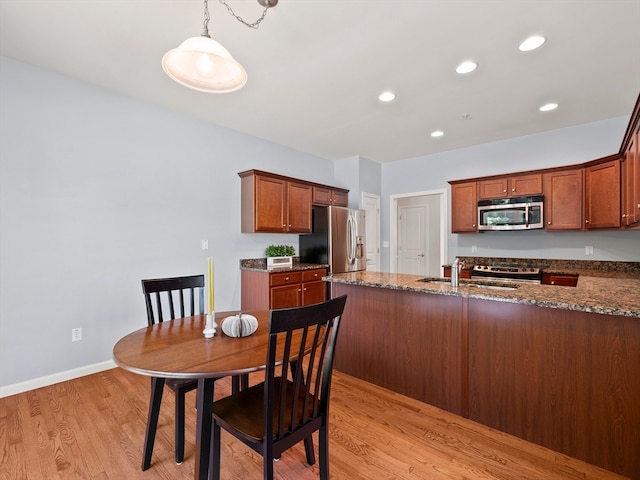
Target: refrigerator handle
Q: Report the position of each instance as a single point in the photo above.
(351, 240)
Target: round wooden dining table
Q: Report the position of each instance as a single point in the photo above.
(178, 349)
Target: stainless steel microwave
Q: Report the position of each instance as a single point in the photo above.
(516, 213)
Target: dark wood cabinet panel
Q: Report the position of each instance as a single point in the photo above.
(313, 292)
(513, 186)
(464, 207)
(563, 379)
(563, 200)
(404, 341)
(464, 273)
(602, 195)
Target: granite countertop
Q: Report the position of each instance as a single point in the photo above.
(260, 265)
(599, 294)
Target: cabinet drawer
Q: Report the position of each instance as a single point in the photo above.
(563, 280)
(311, 275)
(285, 278)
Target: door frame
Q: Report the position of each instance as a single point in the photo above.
(364, 195)
(393, 224)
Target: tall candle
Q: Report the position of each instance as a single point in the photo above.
(210, 284)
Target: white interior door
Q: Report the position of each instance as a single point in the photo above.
(371, 206)
(418, 227)
(412, 226)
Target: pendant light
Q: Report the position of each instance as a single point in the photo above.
(203, 64)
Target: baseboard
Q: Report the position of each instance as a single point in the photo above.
(55, 378)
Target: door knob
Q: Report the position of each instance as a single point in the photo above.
(421, 254)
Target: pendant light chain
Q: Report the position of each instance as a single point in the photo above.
(205, 23)
(255, 24)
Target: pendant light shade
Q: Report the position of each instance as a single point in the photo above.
(203, 64)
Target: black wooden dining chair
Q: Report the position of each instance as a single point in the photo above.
(162, 294)
(276, 414)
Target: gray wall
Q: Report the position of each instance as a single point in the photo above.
(98, 191)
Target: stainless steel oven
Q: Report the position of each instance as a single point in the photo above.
(516, 213)
(507, 273)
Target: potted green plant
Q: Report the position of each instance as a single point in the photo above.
(279, 256)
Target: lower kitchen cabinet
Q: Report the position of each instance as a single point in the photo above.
(263, 290)
(560, 279)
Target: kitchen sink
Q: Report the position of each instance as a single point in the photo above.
(470, 283)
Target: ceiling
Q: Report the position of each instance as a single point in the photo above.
(316, 67)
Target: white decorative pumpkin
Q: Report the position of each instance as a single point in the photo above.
(241, 325)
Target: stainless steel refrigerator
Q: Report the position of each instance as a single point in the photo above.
(338, 239)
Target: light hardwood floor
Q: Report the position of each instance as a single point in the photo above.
(93, 428)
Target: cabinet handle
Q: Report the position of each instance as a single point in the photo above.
(586, 221)
(552, 282)
(513, 189)
(548, 223)
(504, 191)
(474, 225)
(286, 278)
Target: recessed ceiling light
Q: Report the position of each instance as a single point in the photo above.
(531, 43)
(386, 96)
(548, 107)
(467, 66)
(437, 133)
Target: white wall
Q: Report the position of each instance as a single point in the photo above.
(98, 191)
(574, 145)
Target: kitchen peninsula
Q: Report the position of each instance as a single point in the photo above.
(558, 366)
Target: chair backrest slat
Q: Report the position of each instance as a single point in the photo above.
(163, 289)
(303, 396)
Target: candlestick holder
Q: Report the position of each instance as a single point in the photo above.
(210, 326)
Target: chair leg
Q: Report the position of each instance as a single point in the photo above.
(267, 461)
(179, 426)
(308, 448)
(157, 387)
(323, 447)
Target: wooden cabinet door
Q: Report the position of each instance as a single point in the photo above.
(270, 201)
(493, 188)
(523, 185)
(314, 292)
(563, 200)
(602, 195)
(630, 169)
(340, 199)
(285, 296)
(464, 207)
(298, 208)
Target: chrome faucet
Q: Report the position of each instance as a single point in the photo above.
(455, 272)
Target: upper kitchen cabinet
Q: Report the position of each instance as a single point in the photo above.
(513, 186)
(630, 170)
(464, 207)
(602, 195)
(274, 204)
(337, 197)
(563, 200)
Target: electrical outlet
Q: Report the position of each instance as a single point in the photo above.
(204, 244)
(474, 249)
(76, 334)
(588, 250)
